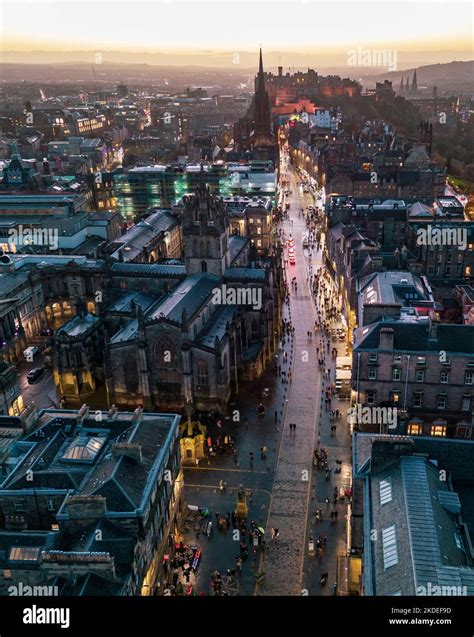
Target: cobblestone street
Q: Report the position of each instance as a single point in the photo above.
(286, 488)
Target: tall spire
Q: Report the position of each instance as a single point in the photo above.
(262, 104)
(414, 85)
(260, 77)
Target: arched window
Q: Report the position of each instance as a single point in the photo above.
(203, 266)
(130, 372)
(202, 373)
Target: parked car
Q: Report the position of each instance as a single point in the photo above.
(34, 374)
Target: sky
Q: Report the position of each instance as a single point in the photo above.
(209, 29)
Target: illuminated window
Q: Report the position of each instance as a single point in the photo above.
(415, 429)
(438, 430)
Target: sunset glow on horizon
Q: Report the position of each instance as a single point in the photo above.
(205, 28)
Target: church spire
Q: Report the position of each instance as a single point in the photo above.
(260, 76)
(262, 105)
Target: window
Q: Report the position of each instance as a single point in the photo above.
(389, 547)
(370, 397)
(415, 429)
(442, 399)
(373, 358)
(458, 540)
(7, 574)
(468, 376)
(396, 373)
(395, 397)
(24, 553)
(421, 360)
(463, 432)
(444, 377)
(202, 375)
(417, 399)
(19, 505)
(397, 358)
(50, 505)
(438, 430)
(466, 403)
(385, 491)
(130, 371)
(372, 373)
(420, 375)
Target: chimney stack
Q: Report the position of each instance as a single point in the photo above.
(386, 338)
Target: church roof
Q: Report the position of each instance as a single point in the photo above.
(189, 295)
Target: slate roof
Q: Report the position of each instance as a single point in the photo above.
(216, 325)
(245, 274)
(414, 337)
(123, 481)
(431, 528)
(236, 245)
(189, 295)
(124, 302)
(126, 333)
(78, 325)
(148, 269)
(142, 234)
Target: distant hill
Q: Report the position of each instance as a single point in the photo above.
(454, 76)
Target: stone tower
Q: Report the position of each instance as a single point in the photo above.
(205, 233)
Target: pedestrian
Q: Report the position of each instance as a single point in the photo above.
(251, 458)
